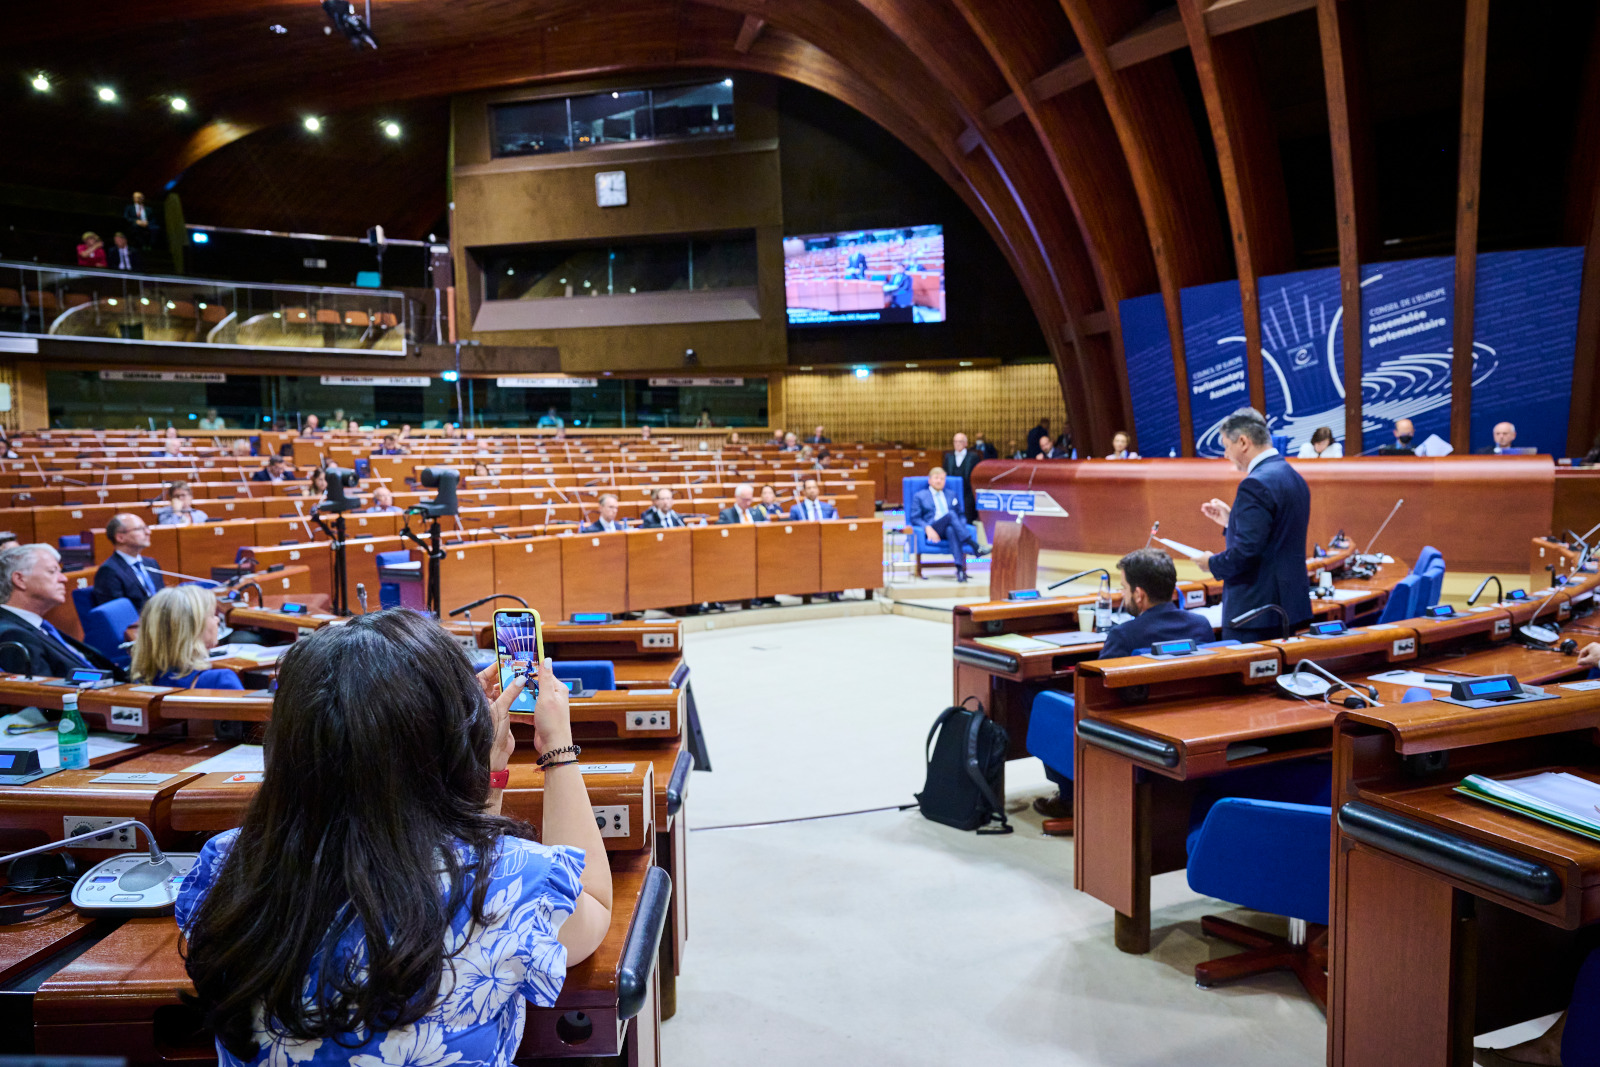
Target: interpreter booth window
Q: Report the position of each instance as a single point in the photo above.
(575, 123)
(569, 271)
(615, 403)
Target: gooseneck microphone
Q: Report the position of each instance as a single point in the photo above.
(142, 877)
(1297, 684)
(361, 596)
(1080, 574)
(1286, 626)
(485, 599)
(1499, 589)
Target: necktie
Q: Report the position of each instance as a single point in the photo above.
(939, 506)
(815, 510)
(55, 635)
(144, 576)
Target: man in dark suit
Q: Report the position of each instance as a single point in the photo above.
(140, 221)
(812, 508)
(127, 573)
(1148, 581)
(660, 514)
(959, 463)
(31, 586)
(1505, 437)
(983, 447)
(1041, 430)
(607, 521)
(123, 256)
(819, 438)
(1265, 561)
(744, 509)
(899, 296)
(276, 470)
(937, 511)
(391, 446)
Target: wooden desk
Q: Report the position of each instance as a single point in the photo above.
(530, 568)
(465, 574)
(660, 568)
(212, 544)
(594, 572)
(851, 554)
(280, 622)
(1451, 917)
(787, 558)
(724, 563)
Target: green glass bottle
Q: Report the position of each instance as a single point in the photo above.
(74, 735)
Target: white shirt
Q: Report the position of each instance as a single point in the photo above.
(940, 505)
(31, 618)
(138, 565)
(744, 515)
(812, 509)
(1334, 451)
(124, 258)
(961, 457)
(1261, 457)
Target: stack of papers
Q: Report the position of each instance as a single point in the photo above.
(1410, 678)
(1069, 638)
(1013, 643)
(1555, 797)
(47, 743)
(259, 653)
(239, 758)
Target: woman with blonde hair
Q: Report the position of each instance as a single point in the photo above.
(177, 631)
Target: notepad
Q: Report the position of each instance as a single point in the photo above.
(1410, 678)
(1180, 547)
(1014, 643)
(1557, 798)
(1069, 638)
(238, 758)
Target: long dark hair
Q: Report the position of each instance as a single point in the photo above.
(376, 757)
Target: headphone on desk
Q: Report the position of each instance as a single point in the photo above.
(47, 872)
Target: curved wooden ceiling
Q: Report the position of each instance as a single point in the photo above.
(1112, 147)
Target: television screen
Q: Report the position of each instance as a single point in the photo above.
(865, 276)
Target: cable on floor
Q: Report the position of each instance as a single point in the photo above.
(804, 818)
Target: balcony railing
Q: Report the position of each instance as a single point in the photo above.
(123, 307)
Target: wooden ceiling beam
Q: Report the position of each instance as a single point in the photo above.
(1251, 170)
(748, 32)
(1474, 78)
(1583, 227)
(1226, 16)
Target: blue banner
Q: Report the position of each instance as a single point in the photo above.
(1302, 353)
(1147, 348)
(1525, 320)
(1213, 343)
(1407, 321)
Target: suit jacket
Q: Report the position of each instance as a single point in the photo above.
(115, 578)
(1159, 622)
(263, 476)
(897, 291)
(1033, 438)
(731, 514)
(595, 527)
(986, 450)
(45, 657)
(1265, 561)
(135, 261)
(921, 511)
(654, 520)
(131, 214)
(963, 470)
(814, 440)
(798, 512)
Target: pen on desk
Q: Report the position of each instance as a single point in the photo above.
(15, 730)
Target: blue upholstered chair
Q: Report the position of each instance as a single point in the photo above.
(1580, 1041)
(1052, 730)
(104, 626)
(82, 603)
(1269, 853)
(589, 673)
(1425, 557)
(1405, 599)
(1280, 441)
(1433, 578)
(918, 538)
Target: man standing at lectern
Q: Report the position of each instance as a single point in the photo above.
(1265, 561)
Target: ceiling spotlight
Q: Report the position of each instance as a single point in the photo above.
(727, 83)
(343, 15)
(312, 124)
(863, 372)
(40, 83)
(277, 29)
(391, 129)
(615, 95)
(106, 94)
(179, 104)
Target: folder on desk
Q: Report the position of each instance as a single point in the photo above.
(1070, 638)
(1563, 800)
(1013, 643)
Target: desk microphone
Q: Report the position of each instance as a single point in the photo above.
(135, 880)
(1287, 627)
(1499, 589)
(1155, 528)
(484, 600)
(1544, 636)
(1298, 685)
(261, 599)
(1384, 527)
(208, 582)
(361, 596)
(1080, 574)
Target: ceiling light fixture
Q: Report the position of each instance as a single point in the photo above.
(312, 124)
(179, 104)
(40, 82)
(391, 129)
(106, 94)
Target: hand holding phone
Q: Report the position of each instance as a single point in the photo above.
(519, 650)
(552, 723)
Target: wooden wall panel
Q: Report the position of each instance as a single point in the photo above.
(927, 407)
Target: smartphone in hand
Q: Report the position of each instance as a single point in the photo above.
(519, 649)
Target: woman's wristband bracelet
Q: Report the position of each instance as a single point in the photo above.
(546, 757)
(548, 767)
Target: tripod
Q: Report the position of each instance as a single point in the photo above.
(435, 551)
(341, 595)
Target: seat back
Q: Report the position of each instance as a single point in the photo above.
(1426, 557)
(1403, 599)
(910, 486)
(1052, 731)
(1266, 855)
(389, 559)
(103, 629)
(1433, 581)
(82, 603)
(591, 673)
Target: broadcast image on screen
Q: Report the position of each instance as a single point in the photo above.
(865, 276)
(519, 648)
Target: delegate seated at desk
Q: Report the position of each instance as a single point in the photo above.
(1149, 580)
(744, 509)
(607, 522)
(32, 585)
(316, 861)
(811, 507)
(127, 573)
(177, 631)
(1265, 561)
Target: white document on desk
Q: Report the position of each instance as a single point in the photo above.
(1409, 678)
(1070, 638)
(1212, 613)
(1179, 546)
(239, 758)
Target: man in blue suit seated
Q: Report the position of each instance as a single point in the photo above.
(1265, 561)
(937, 512)
(812, 507)
(127, 573)
(607, 522)
(1148, 581)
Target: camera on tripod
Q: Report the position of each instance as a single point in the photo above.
(339, 480)
(444, 480)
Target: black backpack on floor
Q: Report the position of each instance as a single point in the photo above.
(964, 769)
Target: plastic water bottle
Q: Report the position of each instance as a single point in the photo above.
(1102, 605)
(73, 734)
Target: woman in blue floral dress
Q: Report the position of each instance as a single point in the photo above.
(379, 811)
